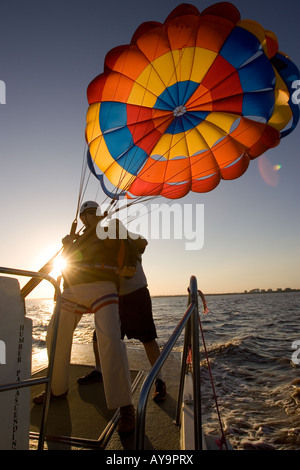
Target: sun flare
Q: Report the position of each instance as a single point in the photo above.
(58, 266)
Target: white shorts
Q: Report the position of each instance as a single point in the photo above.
(100, 298)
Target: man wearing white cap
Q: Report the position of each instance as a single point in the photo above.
(91, 282)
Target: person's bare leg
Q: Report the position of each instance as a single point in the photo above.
(152, 351)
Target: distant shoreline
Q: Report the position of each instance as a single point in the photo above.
(233, 293)
(284, 291)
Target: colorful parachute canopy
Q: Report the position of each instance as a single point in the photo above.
(188, 102)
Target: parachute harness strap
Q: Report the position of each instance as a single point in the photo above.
(222, 441)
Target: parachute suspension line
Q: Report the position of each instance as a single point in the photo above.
(82, 179)
(222, 441)
(151, 198)
(198, 175)
(84, 182)
(80, 191)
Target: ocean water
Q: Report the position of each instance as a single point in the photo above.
(249, 339)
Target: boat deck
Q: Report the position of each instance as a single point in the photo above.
(84, 416)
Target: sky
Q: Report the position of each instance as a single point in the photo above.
(49, 53)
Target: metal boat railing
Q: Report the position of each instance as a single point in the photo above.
(190, 322)
(46, 379)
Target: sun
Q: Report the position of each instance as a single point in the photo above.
(58, 266)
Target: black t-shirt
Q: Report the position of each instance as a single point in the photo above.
(84, 261)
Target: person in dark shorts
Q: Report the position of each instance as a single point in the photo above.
(135, 310)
